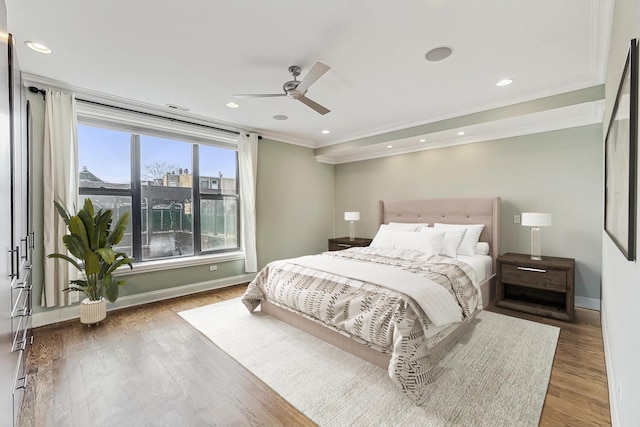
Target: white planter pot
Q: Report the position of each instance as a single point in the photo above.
(92, 312)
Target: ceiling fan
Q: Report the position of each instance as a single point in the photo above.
(295, 89)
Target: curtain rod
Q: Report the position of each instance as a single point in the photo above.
(34, 89)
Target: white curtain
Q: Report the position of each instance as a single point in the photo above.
(248, 165)
(60, 175)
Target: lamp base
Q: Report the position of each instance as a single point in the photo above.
(535, 244)
(352, 231)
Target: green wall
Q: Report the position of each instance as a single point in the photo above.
(558, 172)
(295, 202)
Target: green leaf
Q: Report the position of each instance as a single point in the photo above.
(88, 206)
(91, 263)
(110, 287)
(64, 213)
(66, 258)
(120, 262)
(103, 222)
(107, 255)
(79, 283)
(75, 245)
(89, 226)
(76, 226)
(118, 232)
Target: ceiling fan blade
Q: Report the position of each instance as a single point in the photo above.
(258, 95)
(312, 76)
(309, 103)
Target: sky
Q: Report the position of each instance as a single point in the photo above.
(107, 154)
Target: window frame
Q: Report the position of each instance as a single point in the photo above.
(105, 117)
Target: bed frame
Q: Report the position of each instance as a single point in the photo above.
(451, 211)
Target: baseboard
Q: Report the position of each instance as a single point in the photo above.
(611, 382)
(73, 312)
(584, 302)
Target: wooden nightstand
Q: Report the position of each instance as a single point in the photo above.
(340, 243)
(545, 287)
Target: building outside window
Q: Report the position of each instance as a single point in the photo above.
(182, 194)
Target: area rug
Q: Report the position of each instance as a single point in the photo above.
(496, 374)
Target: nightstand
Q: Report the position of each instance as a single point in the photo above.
(340, 243)
(544, 287)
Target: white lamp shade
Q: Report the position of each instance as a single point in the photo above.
(536, 219)
(352, 216)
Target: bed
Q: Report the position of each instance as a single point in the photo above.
(389, 323)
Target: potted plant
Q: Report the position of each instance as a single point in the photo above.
(90, 241)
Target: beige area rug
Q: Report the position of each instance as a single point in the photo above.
(495, 375)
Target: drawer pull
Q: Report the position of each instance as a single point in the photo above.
(23, 312)
(344, 245)
(24, 383)
(13, 273)
(535, 270)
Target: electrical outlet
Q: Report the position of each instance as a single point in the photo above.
(213, 267)
(516, 219)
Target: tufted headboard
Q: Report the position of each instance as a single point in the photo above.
(451, 211)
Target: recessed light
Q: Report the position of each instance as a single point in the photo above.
(461, 133)
(280, 117)
(504, 82)
(389, 146)
(326, 132)
(439, 53)
(232, 105)
(423, 140)
(38, 47)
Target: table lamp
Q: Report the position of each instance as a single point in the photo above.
(351, 217)
(535, 220)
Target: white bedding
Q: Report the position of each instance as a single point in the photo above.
(481, 264)
(436, 302)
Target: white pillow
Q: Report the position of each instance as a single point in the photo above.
(470, 239)
(427, 242)
(407, 226)
(482, 248)
(452, 239)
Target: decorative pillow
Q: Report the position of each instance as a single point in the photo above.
(428, 242)
(407, 226)
(482, 248)
(471, 236)
(452, 239)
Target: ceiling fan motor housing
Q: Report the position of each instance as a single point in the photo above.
(290, 89)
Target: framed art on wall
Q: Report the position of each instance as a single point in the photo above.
(621, 160)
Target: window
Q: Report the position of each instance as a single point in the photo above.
(182, 193)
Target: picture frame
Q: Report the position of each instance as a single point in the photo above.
(621, 148)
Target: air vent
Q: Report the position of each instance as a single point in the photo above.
(177, 107)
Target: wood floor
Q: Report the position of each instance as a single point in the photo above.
(146, 366)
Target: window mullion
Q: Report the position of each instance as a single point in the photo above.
(136, 198)
(195, 205)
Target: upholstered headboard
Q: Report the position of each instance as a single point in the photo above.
(451, 211)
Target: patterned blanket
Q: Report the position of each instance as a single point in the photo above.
(384, 319)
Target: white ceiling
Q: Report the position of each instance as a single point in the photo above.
(197, 54)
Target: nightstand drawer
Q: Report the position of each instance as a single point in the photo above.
(341, 243)
(540, 278)
(340, 246)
